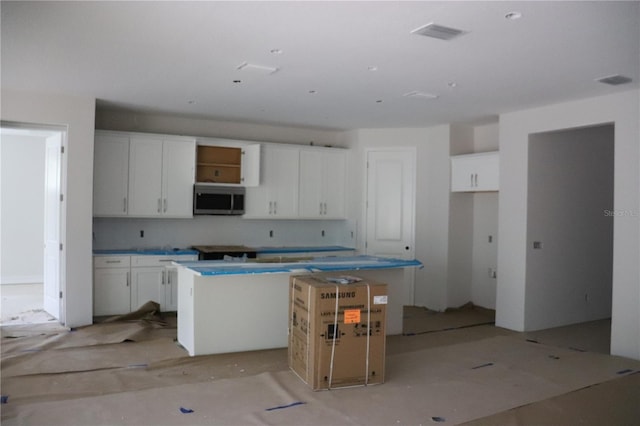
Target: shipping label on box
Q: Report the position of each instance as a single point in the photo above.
(336, 330)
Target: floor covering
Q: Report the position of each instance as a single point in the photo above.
(131, 371)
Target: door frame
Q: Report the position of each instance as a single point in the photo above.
(409, 273)
(46, 130)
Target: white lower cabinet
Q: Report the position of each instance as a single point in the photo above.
(111, 285)
(125, 286)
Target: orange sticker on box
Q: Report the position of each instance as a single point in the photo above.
(351, 316)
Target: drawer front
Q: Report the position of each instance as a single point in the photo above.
(140, 261)
(111, 261)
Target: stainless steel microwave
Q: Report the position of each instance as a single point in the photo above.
(218, 200)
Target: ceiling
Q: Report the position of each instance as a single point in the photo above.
(338, 65)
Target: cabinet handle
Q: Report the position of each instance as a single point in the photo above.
(128, 278)
(275, 207)
(124, 208)
(113, 261)
(163, 278)
(476, 180)
(321, 208)
(325, 208)
(270, 207)
(165, 205)
(471, 180)
(159, 205)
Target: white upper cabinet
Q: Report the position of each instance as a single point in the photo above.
(110, 175)
(277, 195)
(159, 172)
(475, 172)
(322, 183)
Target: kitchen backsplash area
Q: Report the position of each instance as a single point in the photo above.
(121, 233)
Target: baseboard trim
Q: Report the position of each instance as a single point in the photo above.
(22, 279)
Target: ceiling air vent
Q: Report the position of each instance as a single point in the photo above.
(614, 80)
(438, 31)
(420, 95)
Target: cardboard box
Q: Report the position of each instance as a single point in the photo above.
(329, 347)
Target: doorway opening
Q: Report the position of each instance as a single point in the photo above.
(32, 220)
(569, 276)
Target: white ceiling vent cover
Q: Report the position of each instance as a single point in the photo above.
(438, 31)
(259, 69)
(614, 80)
(420, 95)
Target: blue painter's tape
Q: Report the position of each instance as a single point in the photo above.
(4, 399)
(185, 410)
(488, 364)
(322, 264)
(280, 407)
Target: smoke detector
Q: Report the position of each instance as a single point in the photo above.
(438, 31)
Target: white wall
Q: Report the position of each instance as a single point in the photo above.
(570, 189)
(432, 201)
(460, 255)
(485, 226)
(123, 233)
(174, 125)
(22, 209)
(515, 128)
(77, 113)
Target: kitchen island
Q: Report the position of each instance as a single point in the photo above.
(243, 306)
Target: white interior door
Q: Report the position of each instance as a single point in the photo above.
(52, 240)
(390, 203)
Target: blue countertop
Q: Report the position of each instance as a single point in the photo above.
(318, 264)
(145, 252)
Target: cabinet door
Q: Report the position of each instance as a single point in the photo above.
(277, 195)
(322, 183)
(111, 291)
(145, 177)
(147, 284)
(475, 172)
(171, 290)
(312, 183)
(178, 177)
(488, 178)
(282, 175)
(334, 191)
(250, 165)
(110, 175)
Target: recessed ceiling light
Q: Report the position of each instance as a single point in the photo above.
(379, 101)
(513, 15)
(276, 51)
(313, 92)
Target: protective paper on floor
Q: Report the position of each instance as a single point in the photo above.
(455, 383)
(418, 320)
